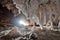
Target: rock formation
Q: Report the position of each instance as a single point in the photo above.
(36, 11)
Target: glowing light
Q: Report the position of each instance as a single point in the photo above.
(22, 23)
(25, 23)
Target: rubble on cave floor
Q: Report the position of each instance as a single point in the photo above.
(37, 34)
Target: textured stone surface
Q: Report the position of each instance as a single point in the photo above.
(39, 11)
(39, 8)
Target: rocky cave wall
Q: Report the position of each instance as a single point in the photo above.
(39, 11)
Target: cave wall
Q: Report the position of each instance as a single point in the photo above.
(39, 11)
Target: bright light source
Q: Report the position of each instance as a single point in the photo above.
(25, 23)
(22, 23)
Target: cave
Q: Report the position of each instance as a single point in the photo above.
(29, 19)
